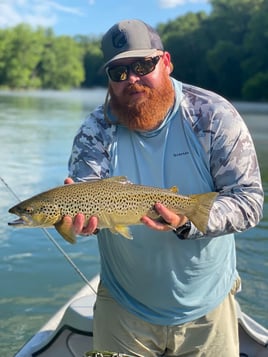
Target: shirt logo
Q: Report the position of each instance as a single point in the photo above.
(184, 153)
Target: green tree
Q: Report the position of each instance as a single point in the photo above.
(224, 60)
(256, 87)
(184, 38)
(255, 63)
(61, 65)
(225, 51)
(229, 24)
(92, 61)
(229, 18)
(22, 49)
(3, 48)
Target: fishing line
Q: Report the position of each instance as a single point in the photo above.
(50, 237)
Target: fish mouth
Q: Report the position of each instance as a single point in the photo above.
(22, 221)
(17, 222)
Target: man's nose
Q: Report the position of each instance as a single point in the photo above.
(132, 77)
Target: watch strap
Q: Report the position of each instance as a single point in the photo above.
(182, 232)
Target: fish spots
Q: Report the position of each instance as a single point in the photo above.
(115, 201)
(48, 209)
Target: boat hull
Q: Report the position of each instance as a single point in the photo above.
(70, 331)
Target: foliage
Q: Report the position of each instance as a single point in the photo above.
(61, 64)
(225, 51)
(92, 60)
(32, 59)
(20, 51)
(186, 42)
(256, 87)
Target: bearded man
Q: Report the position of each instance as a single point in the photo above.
(169, 291)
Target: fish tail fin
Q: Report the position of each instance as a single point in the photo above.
(201, 209)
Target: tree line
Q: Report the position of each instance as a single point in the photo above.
(225, 51)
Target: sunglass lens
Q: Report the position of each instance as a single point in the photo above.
(118, 73)
(141, 68)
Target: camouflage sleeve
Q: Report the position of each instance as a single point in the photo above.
(236, 174)
(90, 156)
(233, 166)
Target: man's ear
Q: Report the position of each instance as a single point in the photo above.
(167, 62)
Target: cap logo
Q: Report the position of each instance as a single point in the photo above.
(119, 39)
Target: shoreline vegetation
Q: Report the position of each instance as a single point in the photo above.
(224, 51)
(99, 92)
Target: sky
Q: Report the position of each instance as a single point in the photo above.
(92, 17)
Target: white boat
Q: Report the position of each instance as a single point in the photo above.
(69, 332)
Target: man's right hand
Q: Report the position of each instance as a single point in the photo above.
(79, 222)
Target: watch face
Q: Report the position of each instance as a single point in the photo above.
(182, 232)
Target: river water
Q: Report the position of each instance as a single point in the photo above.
(36, 133)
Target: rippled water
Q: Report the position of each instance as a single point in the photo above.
(36, 133)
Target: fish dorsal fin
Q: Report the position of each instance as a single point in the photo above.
(120, 179)
(174, 189)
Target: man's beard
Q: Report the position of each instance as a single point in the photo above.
(147, 112)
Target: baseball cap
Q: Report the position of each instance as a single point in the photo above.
(130, 38)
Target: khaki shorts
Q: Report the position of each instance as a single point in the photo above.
(213, 335)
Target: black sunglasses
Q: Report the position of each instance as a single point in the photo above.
(140, 68)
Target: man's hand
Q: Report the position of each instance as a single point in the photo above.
(173, 220)
(79, 221)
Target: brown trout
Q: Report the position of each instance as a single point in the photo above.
(116, 202)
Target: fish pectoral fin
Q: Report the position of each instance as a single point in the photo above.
(123, 230)
(65, 229)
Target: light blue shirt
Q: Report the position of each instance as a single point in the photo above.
(157, 276)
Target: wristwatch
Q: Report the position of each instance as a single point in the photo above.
(182, 232)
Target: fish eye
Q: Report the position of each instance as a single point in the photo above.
(28, 210)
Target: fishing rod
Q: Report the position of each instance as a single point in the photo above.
(50, 237)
